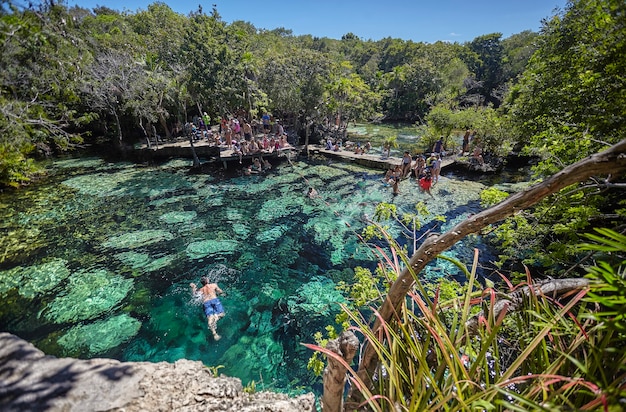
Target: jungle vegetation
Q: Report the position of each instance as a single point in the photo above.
(72, 76)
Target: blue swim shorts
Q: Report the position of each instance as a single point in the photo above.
(213, 307)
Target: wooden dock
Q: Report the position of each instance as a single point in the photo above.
(212, 153)
(373, 161)
(206, 151)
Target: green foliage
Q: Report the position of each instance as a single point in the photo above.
(448, 349)
(609, 288)
(569, 102)
(492, 196)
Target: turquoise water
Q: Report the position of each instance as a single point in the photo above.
(96, 259)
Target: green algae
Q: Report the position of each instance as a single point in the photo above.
(144, 261)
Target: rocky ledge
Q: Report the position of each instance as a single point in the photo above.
(32, 381)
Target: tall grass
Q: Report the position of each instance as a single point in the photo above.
(553, 354)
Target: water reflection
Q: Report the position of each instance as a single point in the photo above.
(97, 260)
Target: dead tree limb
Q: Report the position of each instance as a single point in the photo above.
(609, 162)
(514, 300)
(345, 346)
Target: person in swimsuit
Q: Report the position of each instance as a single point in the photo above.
(212, 306)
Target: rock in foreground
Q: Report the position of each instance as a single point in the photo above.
(30, 380)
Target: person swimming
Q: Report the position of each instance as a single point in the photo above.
(213, 308)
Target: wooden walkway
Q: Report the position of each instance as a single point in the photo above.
(212, 153)
(208, 152)
(373, 161)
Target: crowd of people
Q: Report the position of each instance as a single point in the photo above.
(337, 145)
(425, 170)
(244, 138)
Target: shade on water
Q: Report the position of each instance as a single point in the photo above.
(97, 259)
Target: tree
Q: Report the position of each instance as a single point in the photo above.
(40, 59)
(568, 104)
(349, 97)
(484, 59)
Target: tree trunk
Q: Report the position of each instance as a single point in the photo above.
(610, 162)
(168, 133)
(306, 137)
(335, 376)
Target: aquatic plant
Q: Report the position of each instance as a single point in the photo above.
(89, 293)
(137, 239)
(19, 241)
(100, 336)
(198, 250)
(33, 280)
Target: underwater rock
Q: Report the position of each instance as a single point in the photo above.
(316, 298)
(32, 280)
(88, 294)
(254, 356)
(100, 336)
(144, 261)
(198, 250)
(137, 239)
(272, 234)
(179, 217)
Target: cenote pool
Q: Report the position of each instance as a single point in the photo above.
(96, 259)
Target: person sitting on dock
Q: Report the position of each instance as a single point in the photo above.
(367, 147)
(329, 144)
(418, 167)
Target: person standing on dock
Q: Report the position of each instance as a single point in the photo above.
(267, 127)
(438, 146)
(436, 169)
(406, 164)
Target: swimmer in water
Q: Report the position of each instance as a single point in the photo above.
(212, 306)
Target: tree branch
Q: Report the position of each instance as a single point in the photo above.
(610, 161)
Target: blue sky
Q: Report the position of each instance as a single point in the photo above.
(417, 20)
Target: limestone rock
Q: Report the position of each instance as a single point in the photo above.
(30, 380)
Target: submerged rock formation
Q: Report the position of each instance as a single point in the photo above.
(30, 380)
